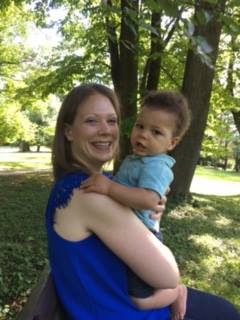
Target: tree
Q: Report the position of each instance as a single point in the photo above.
(133, 41)
(197, 87)
(231, 85)
(15, 125)
(129, 77)
(13, 53)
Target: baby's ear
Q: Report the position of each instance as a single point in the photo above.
(173, 143)
(68, 132)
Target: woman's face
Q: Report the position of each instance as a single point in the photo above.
(94, 132)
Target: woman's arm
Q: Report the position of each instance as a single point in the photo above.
(160, 298)
(128, 238)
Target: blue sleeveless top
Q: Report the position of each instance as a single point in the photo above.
(90, 279)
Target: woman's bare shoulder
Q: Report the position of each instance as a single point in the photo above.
(94, 201)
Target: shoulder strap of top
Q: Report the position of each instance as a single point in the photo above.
(62, 192)
(63, 189)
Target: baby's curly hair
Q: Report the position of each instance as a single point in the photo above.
(174, 103)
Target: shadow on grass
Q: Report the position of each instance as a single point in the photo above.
(203, 233)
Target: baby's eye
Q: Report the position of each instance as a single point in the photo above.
(156, 132)
(138, 125)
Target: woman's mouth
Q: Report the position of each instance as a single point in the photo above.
(102, 145)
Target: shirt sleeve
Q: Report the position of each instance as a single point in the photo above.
(156, 177)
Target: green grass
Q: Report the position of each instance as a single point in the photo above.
(203, 234)
(217, 174)
(22, 238)
(18, 161)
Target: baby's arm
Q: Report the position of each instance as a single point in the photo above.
(137, 198)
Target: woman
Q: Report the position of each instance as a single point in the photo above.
(91, 237)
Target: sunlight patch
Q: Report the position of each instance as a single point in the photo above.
(207, 241)
(223, 221)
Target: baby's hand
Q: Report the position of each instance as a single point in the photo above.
(157, 213)
(96, 183)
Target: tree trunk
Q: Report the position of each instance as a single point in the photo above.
(152, 69)
(197, 86)
(237, 163)
(24, 146)
(236, 117)
(124, 67)
(230, 81)
(154, 63)
(113, 49)
(128, 71)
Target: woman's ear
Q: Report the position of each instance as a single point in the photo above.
(68, 131)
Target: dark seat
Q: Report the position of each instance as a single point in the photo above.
(43, 303)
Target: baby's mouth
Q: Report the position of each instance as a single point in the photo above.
(140, 146)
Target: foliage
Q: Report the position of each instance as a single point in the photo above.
(87, 28)
(13, 52)
(202, 233)
(222, 137)
(26, 118)
(15, 124)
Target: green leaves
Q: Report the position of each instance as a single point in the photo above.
(170, 8)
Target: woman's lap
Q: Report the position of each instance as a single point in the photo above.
(204, 306)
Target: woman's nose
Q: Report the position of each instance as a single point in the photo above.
(104, 127)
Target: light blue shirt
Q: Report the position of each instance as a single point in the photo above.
(150, 172)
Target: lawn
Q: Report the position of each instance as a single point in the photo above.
(211, 181)
(22, 238)
(217, 174)
(17, 161)
(203, 234)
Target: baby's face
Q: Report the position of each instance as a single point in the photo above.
(152, 133)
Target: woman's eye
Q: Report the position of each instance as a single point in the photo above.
(112, 121)
(91, 121)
